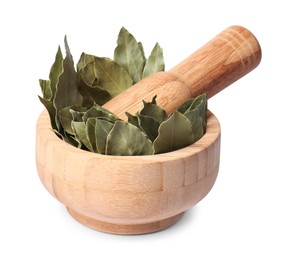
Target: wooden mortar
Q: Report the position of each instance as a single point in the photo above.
(143, 194)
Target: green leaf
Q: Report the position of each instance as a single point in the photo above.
(142, 51)
(51, 111)
(155, 62)
(89, 82)
(90, 133)
(200, 102)
(93, 94)
(174, 133)
(127, 139)
(67, 93)
(112, 77)
(100, 112)
(55, 71)
(70, 139)
(132, 119)
(185, 106)
(149, 126)
(46, 90)
(87, 71)
(77, 115)
(80, 135)
(83, 61)
(197, 123)
(197, 114)
(97, 131)
(102, 129)
(129, 54)
(66, 117)
(154, 111)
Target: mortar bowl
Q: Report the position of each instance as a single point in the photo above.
(127, 194)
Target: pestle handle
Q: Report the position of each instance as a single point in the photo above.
(223, 60)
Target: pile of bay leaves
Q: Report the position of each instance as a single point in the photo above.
(74, 97)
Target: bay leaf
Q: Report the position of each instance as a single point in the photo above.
(155, 62)
(80, 135)
(93, 94)
(46, 90)
(127, 139)
(55, 72)
(67, 93)
(88, 72)
(154, 111)
(112, 77)
(129, 54)
(77, 115)
(90, 133)
(197, 123)
(200, 102)
(70, 139)
(51, 111)
(149, 126)
(132, 119)
(185, 106)
(83, 61)
(98, 111)
(96, 133)
(174, 133)
(66, 117)
(142, 51)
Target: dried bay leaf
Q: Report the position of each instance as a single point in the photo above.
(80, 135)
(149, 126)
(142, 51)
(200, 102)
(197, 123)
(174, 133)
(132, 119)
(46, 90)
(99, 112)
(55, 71)
(93, 94)
(155, 62)
(67, 93)
(49, 89)
(77, 115)
(83, 61)
(51, 111)
(152, 110)
(112, 77)
(196, 111)
(200, 106)
(185, 106)
(97, 131)
(90, 133)
(129, 54)
(70, 139)
(66, 117)
(87, 70)
(127, 139)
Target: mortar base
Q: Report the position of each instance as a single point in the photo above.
(124, 229)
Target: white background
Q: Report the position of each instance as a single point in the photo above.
(250, 212)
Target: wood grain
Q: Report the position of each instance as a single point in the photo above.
(127, 194)
(226, 58)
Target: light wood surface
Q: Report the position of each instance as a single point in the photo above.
(127, 194)
(223, 60)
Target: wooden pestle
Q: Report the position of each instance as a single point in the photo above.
(223, 60)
